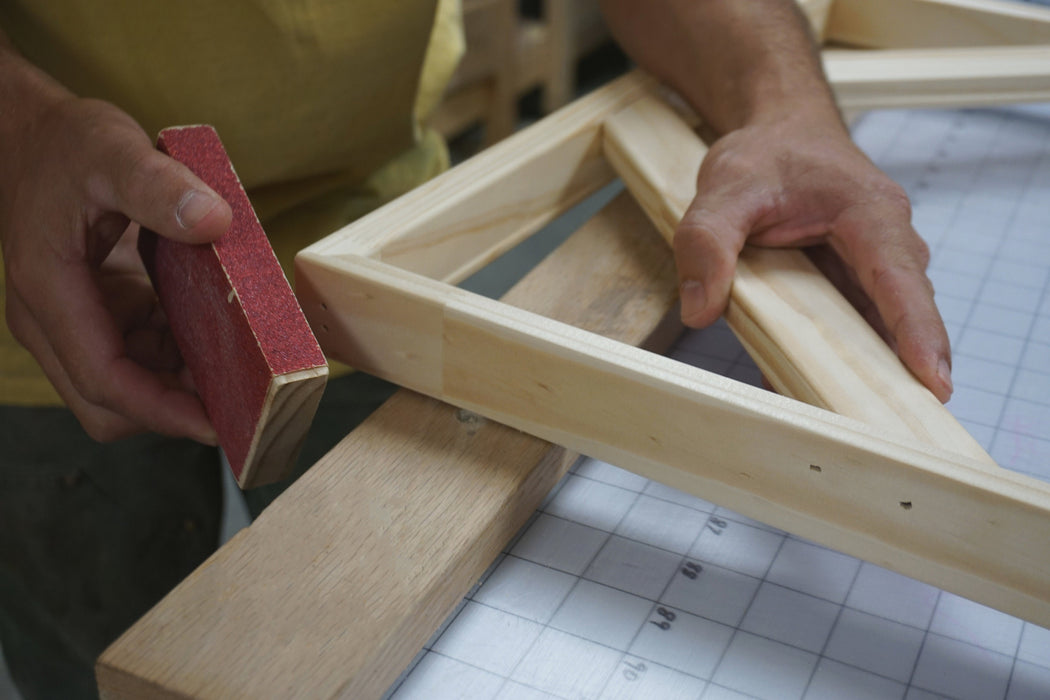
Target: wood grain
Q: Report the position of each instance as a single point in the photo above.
(946, 77)
(334, 589)
(807, 339)
(460, 221)
(912, 24)
(934, 515)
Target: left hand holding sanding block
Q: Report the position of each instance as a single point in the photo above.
(77, 184)
(75, 173)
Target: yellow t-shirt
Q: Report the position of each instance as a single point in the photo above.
(318, 102)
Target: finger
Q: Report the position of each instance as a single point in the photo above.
(891, 268)
(707, 244)
(133, 304)
(844, 279)
(103, 235)
(101, 424)
(96, 372)
(158, 192)
(147, 338)
(153, 349)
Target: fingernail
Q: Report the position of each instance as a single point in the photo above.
(694, 298)
(944, 373)
(193, 207)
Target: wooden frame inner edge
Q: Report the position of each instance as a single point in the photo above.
(414, 350)
(805, 337)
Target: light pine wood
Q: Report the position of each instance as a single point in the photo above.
(807, 339)
(936, 516)
(290, 405)
(462, 220)
(949, 77)
(334, 589)
(936, 23)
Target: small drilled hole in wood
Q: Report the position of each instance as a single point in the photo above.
(816, 467)
(906, 505)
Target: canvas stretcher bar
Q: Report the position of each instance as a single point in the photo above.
(901, 24)
(949, 77)
(560, 385)
(933, 515)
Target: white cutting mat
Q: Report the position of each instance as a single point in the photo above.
(622, 588)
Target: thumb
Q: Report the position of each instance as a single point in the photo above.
(163, 195)
(707, 243)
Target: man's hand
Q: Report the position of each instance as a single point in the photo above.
(796, 182)
(784, 171)
(77, 177)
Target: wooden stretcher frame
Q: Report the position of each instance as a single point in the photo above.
(873, 490)
(457, 224)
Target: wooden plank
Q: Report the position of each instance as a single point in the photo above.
(967, 77)
(929, 514)
(806, 338)
(910, 24)
(337, 585)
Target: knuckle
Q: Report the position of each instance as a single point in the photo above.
(894, 197)
(686, 233)
(730, 162)
(922, 253)
(122, 155)
(692, 238)
(142, 168)
(93, 392)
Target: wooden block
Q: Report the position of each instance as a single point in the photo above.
(254, 360)
(337, 585)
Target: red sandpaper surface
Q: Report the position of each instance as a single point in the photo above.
(231, 310)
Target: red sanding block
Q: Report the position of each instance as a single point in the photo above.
(254, 360)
